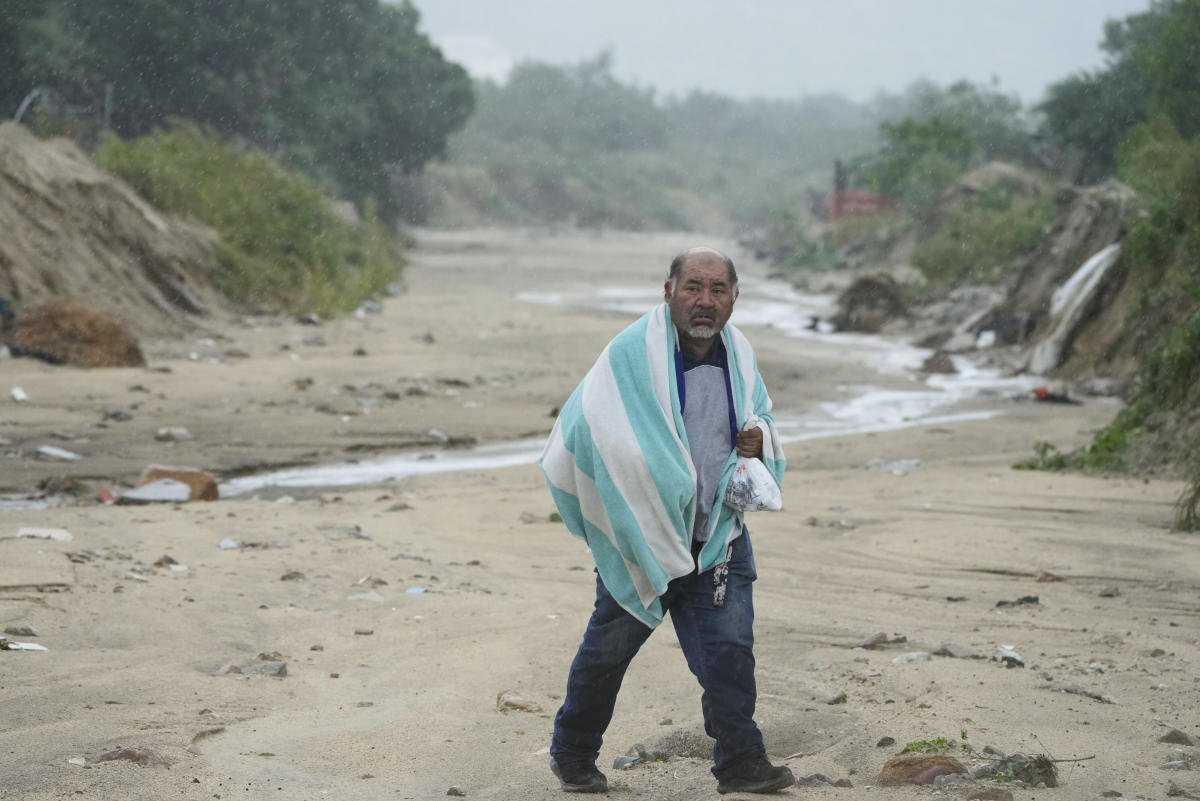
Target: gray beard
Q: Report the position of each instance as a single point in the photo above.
(701, 332)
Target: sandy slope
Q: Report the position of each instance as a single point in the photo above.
(412, 709)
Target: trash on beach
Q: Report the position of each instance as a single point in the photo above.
(1024, 600)
(19, 395)
(1007, 655)
(415, 590)
(227, 544)
(1043, 395)
(12, 645)
(58, 534)
(61, 454)
(164, 490)
(173, 434)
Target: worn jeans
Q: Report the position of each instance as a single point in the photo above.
(718, 643)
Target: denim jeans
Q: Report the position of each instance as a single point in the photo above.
(718, 643)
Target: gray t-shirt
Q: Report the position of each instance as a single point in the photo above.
(706, 418)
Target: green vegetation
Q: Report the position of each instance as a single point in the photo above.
(282, 245)
(948, 131)
(978, 242)
(935, 746)
(350, 92)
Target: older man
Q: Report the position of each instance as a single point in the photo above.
(638, 462)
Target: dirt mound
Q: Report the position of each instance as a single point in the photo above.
(74, 231)
(1088, 220)
(70, 332)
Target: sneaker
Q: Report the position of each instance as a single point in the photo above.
(580, 777)
(755, 775)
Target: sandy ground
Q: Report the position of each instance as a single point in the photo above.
(410, 710)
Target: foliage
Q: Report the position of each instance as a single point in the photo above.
(979, 241)
(349, 91)
(934, 746)
(1153, 69)
(282, 245)
(1047, 456)
(948, 131)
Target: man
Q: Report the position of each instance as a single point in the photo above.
(637, 463)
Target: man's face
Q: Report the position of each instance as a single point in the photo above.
(703, 297)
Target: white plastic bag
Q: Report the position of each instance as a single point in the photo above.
(752, 488)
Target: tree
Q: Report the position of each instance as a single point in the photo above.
(349, 90)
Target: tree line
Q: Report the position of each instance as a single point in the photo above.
(350, 92)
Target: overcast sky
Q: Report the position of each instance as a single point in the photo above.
(785, 48)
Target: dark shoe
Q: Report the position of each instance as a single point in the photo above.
(755, 775)
(580, 777)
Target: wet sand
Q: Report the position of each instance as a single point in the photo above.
(409, 710)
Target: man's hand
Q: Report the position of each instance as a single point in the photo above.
(750, 443)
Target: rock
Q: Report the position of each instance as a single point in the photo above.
(956, 651)
(665, 722)
(365, 632)
(139, 755)
(173, 434)
(1174, 736)
(868, 304)
(508, 701)
(912, 656)
(70, 332)
(631, 757)
(840, 698)
(116, 414)
(203, 486)
(813, 780)
(987, 794)
(884, 742)
(456, 791)
(844, 783)
(271, 667)
(878, 638)
(940, 362)
(292, 575)
(1175, 791)
(1110, 592)
(22, 631)
(164, 490)
(906, 768)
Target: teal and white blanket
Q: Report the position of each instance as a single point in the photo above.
(618, 464)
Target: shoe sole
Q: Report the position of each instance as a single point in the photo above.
(767, 786)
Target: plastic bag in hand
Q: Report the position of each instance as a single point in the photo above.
(752, 488)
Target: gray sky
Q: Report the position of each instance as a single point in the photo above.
(785, 48)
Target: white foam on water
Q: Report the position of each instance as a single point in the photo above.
(374, 471)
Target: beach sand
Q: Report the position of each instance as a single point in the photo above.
(470, 591)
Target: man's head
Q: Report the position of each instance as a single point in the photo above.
(700, 290)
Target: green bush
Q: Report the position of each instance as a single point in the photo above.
(978, 243)
(282, 246)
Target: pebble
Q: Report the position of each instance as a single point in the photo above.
(173, 434)
(456, 791)
(912, 656)
(840, 698)
(364, 631)
(956, 651)
(884, 742)
(30, 631)
(508, 700)
(1174, 736)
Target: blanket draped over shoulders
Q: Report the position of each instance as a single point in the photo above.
(620, 472)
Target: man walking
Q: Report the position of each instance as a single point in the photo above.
(638, 462)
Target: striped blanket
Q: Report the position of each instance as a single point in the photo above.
(619, 469)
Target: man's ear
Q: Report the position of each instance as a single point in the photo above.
(667, 291)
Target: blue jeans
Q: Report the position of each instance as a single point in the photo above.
(718, 643)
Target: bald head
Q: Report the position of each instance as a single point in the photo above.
(701, 253)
